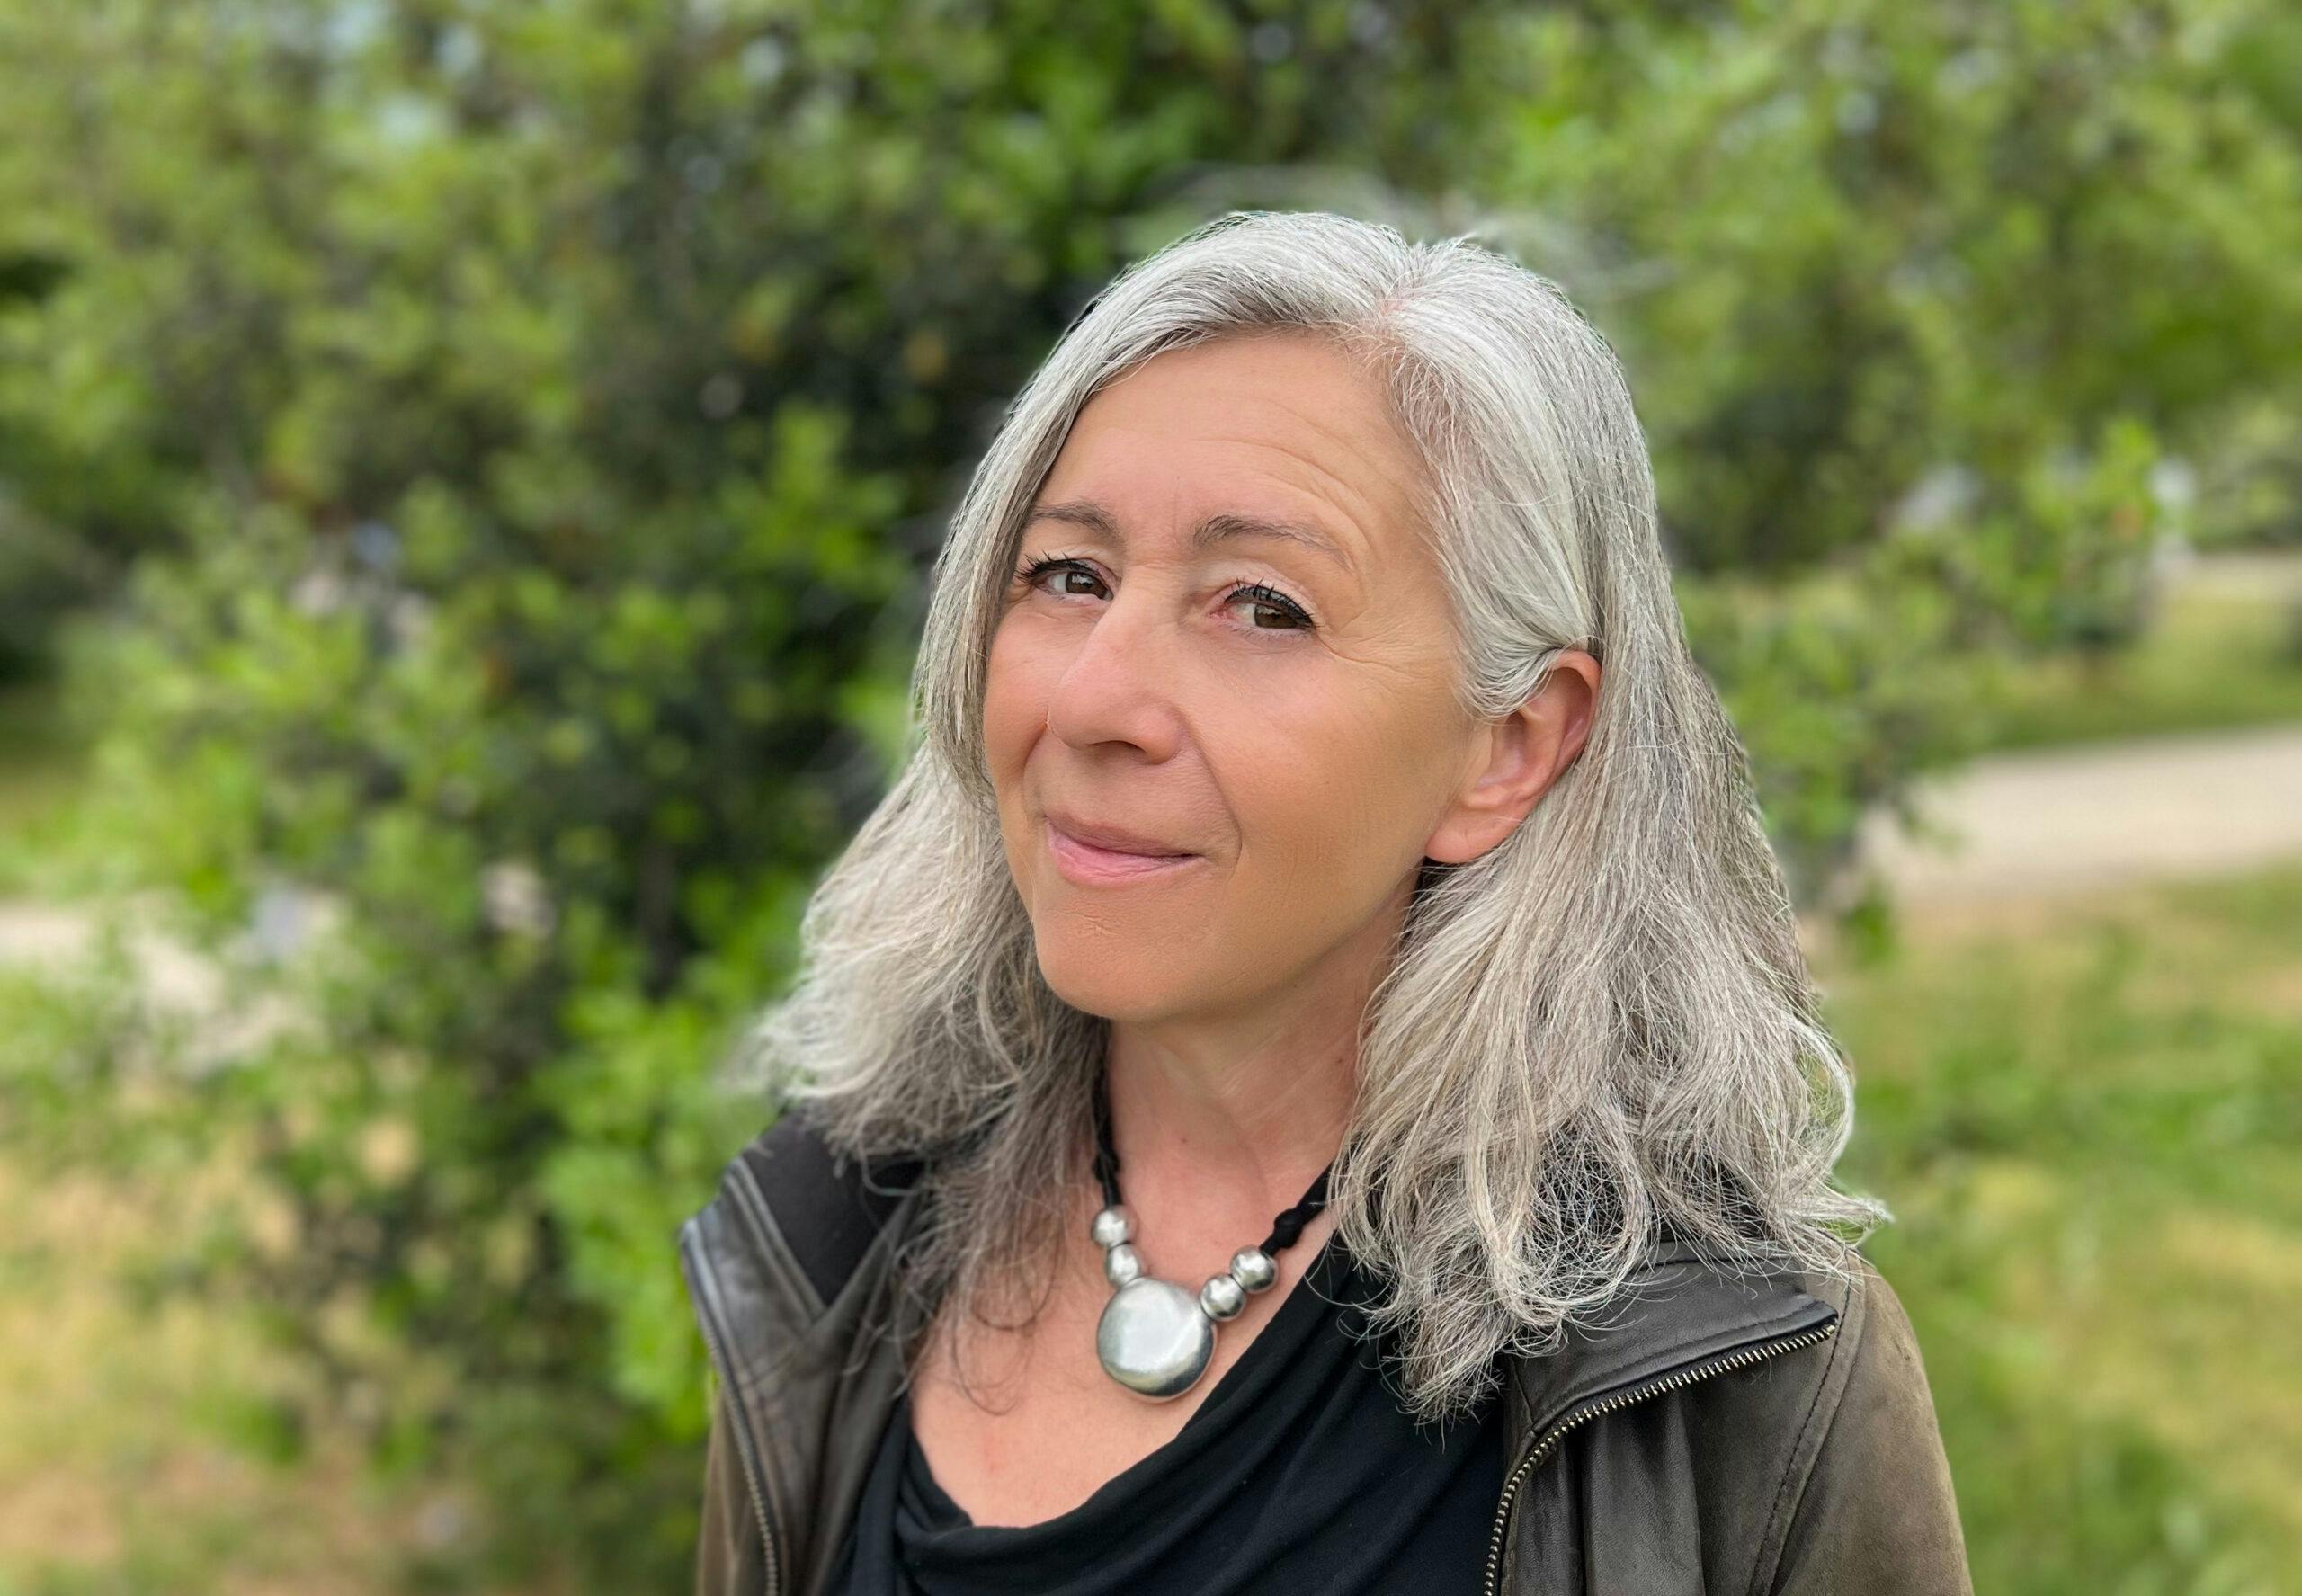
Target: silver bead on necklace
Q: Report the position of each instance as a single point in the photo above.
(1157, 1338)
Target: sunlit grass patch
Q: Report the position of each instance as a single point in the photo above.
(2087, 1119)
(149, 1442)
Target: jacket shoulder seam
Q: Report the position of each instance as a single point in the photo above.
(1796, 1472)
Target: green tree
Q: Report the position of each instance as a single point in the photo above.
(1917, 300)
(530, 425)
(508, 441)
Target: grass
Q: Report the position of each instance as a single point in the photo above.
(150, 1444)
(124, 1466)
(2088, 1120)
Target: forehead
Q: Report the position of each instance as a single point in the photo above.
(1274, 425)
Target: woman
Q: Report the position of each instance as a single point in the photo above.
(1308, 1082)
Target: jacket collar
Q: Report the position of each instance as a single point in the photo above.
(1682, 1315)
(1681, 1311)
(811, 1384)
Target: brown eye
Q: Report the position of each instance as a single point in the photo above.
(1030, 574)
(1271, 600)
(1262, 599)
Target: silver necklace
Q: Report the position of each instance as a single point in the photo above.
(1157, 1338)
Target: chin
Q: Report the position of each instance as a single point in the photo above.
(1111, 982)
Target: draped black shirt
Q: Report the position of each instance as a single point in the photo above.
(1299, 1473)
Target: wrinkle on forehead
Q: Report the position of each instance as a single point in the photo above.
(1322, 460)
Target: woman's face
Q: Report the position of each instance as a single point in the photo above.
(1275, 707)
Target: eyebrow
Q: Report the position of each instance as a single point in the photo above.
(1215, 528)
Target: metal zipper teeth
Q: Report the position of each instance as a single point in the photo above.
(1677, 1378)
(744, 1451)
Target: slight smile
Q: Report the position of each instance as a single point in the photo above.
(1084, 864)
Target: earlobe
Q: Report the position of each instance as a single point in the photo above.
(1494, 805)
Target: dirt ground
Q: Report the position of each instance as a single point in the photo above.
(2045, 822)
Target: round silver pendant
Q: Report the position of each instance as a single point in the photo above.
(1154, 1338)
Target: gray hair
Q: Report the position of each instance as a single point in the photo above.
(1603, 1026)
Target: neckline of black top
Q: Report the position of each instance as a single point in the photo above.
(1302, 1471)
(1300, 1314)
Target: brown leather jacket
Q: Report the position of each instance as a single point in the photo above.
(1726, 1435)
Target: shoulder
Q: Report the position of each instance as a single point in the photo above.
(1846, 1484)
(1869, 1503)
(819, 1206)
(1878, 1361)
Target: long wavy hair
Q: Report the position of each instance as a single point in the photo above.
(1601, 1028)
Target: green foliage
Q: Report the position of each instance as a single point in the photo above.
(1851, 246)
(521, 430)
(508, 441)
(2225, 651)
(1942, 320)
(1841, 687)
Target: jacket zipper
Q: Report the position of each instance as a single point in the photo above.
(1676, 1377)
(745, 1452)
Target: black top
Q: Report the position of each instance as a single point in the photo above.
(1300, 1472)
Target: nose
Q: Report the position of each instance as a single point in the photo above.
(1118, 684)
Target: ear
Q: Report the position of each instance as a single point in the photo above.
(1515, 761)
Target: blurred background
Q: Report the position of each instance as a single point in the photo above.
(468, 474)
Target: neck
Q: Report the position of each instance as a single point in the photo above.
(1221, 1124)
(1222, 1117)
(1247, 1135)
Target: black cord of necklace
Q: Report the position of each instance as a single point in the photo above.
(1285, 1230)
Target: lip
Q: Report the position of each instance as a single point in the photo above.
(1113, 839)
(1087, 864)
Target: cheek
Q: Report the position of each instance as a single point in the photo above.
(1013, 701)
(1336, 786)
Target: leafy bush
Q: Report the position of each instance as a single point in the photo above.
(510, 441)
(544, 413)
